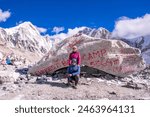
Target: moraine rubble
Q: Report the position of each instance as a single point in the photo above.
(94, 85)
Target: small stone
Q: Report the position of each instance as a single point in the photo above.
(112, 93)
(1, 82)
(109, 77)
(100, 80)
(4, 88)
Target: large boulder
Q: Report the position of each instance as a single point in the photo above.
(112, 56)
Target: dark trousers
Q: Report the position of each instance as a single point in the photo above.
(74, 79)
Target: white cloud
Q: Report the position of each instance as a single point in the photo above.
(20, 22)
(68, 34)
(131, 28)
(41, 30)
(4, 15)
(58, 29)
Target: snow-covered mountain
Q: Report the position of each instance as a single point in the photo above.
(25, 37)
(92, 32)
(97, 33)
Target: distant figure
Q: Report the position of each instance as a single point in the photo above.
(8, 61)
(73, 73)
(75, 55)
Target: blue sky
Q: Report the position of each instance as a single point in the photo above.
(72, 13)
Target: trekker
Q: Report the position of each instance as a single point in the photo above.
(8, 61)
(73, 73)
(75, 55)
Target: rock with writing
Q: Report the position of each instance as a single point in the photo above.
(111, 56)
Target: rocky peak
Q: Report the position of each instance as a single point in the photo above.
(25, 37)
(23, 28)
(97, 33)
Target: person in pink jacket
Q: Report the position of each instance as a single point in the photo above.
(75, 55)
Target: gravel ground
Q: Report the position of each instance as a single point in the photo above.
(94, 87)
(91, 88)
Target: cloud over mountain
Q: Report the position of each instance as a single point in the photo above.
(132, 28)
(41, 29)
(69, 33)
(58, 29)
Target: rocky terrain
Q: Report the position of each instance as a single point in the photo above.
(99, 85)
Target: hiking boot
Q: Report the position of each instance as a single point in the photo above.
(75, 87)
(68, 84)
